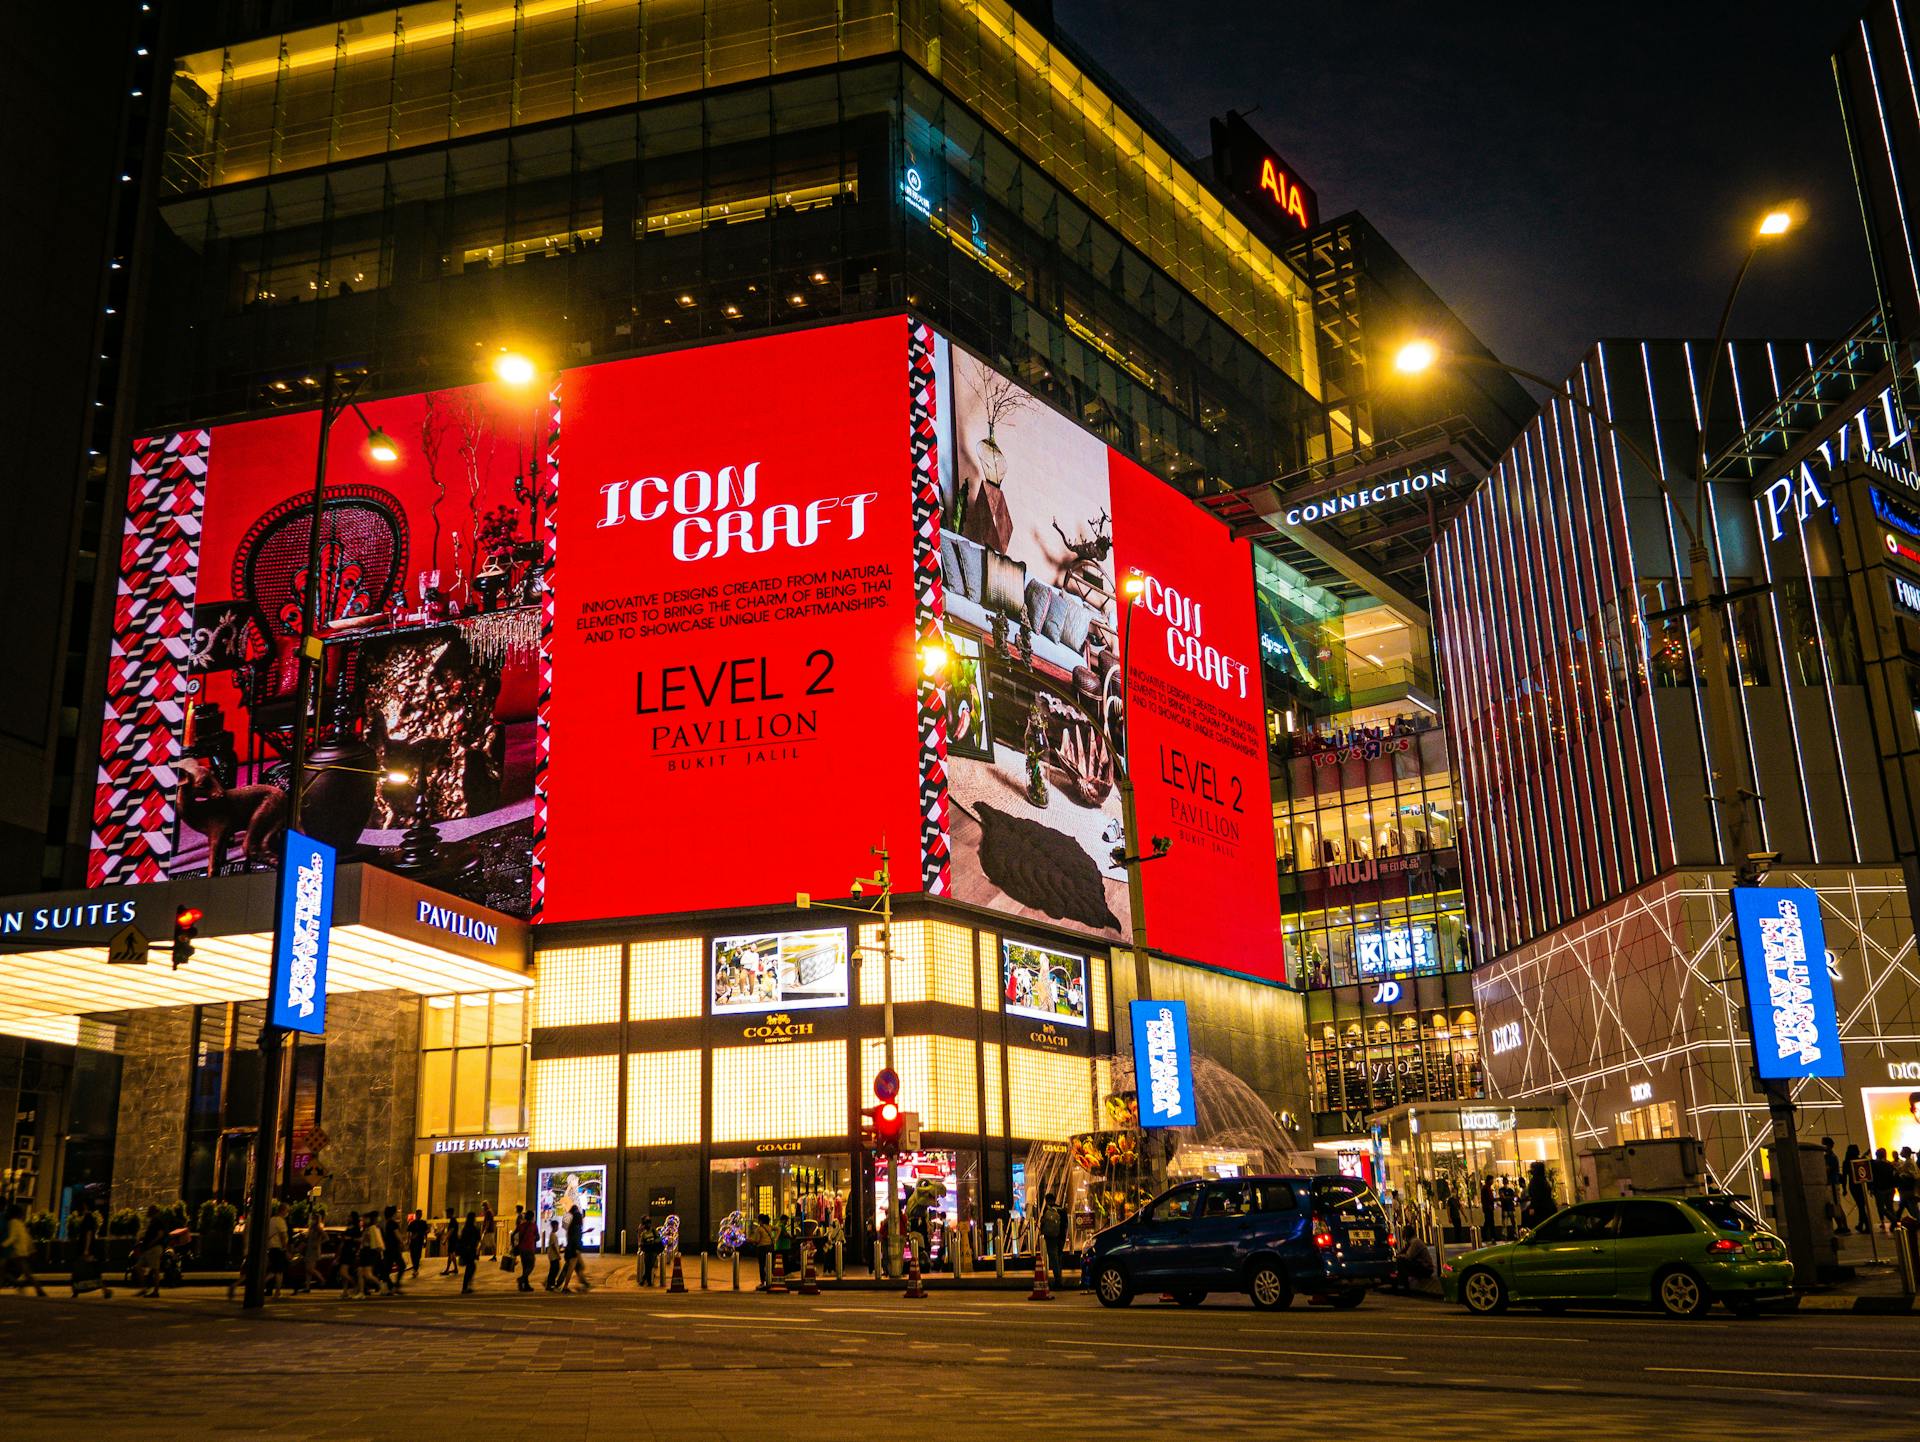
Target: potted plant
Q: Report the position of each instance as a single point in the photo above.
(42, 1226)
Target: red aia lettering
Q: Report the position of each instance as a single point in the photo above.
(1285, 193)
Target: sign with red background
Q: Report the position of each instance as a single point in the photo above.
(734, 669)
(1196, 730)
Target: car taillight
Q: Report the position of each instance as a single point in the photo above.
(1725, 1247)
(1322, 1237)
(1390, 1239)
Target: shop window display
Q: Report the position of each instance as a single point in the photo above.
(803, 1197)
(940, 1201)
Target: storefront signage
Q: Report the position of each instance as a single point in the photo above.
(1504, 1038)
(1397, 949)
(40, 920)
(1894, 512)
(913, 191)
(1486, 1121)
(766, 1147)
(778, 1027)
(1163, 1064)
(299, 983)
(1640, 1092)
(1868, 436)
(453, 1146)
(1902, 550)
(1368, 750)
(1386, 994)
(1789, 999)
(1255, 172)
(1904, 594)
(1903, 1071)
(1377, 493)
(445, 918)
(1050, 1036)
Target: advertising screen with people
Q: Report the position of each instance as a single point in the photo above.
(1044, 984)
(558, 1190)
(784, 970)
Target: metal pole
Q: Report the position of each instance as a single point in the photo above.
(891, 1246)
(265, 1140)
(1130, 826)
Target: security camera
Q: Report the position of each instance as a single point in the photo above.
(856, 889)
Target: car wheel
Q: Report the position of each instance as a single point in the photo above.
(1189, 1298)
(1483, 1292)
(1347, 1298)
(1269, 1288)
(1681, 1294)
(1110, 1286)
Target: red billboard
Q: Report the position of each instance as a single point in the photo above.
(651, 644)
(733, 655)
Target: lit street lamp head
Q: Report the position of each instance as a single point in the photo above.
(1776, 222)
(381, 448)
(934, 657)
(514, 368)
(1415, 356)
(1134, 586)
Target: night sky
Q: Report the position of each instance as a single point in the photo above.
(1558, 173)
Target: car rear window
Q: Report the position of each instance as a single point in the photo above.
(1347, 1199)
(1726, 1214)
(1653, 1219)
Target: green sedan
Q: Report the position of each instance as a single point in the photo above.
(1679, 1254)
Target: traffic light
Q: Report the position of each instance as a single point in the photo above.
(887, 1121)
(186, 923)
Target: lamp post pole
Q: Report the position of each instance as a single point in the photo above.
(894, 1220)
(1129, 822)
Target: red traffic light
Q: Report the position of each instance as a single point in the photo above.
(187, 918)
(185, 921)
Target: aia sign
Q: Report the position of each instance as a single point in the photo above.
(1244, 163)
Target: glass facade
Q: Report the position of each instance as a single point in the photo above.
(473, 1064)
(1363, 1058)
(1571, 679)
(610, 177)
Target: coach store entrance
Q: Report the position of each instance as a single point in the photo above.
(809, 1191)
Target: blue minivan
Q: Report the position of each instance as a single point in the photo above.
(1271, 1237)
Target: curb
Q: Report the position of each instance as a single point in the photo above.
(1872, 1305)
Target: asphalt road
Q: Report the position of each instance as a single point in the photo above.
(738, 1365)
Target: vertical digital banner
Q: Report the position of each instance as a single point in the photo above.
(304, 928)
(1783, 953)
(1196, 736)
(1163, 1064)
(733, 661)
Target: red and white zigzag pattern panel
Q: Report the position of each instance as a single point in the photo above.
(929, 610)
(549, 491)
(143, 732)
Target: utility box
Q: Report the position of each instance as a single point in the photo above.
(1662, 1165)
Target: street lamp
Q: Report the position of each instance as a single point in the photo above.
(882, 879)
(514, 367)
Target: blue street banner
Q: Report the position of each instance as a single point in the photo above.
(1163, 1064)
(298, 994)
(1783, 952)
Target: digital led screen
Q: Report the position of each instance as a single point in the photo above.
(784, 970)
(1783, 953)
(558, 1190)
(1044, 984)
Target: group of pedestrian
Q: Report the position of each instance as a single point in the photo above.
(1531, 1207)
(1892, 1179)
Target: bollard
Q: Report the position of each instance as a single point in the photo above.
(839, 1261)
(1000, 1250)
(679, 1282)
(1042, 1284)
(703, 1271)
(779, 1282)
(809, 1283)
(736, 1270)
(1906, 1241)
(915, 1288)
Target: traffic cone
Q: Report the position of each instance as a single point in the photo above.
(915, 1288)
(779, 1282)
(1042, 1287)
(809, 1281)
(679, 1283)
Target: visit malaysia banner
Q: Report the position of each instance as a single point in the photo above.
(1196, 739)
(733, 664)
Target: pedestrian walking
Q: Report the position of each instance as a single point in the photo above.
(1486, 1207)
(86, 1228)
(276, 1248)
(1053, 1229)
(16, 1251)
(152, 1254)
(468, 1249)
(450, 1245)
(1507, 1198)
(416, 1238)
(1835, 1182)
(1539, 1203)
(1882, 1183)
(347, 1273)
(1906, 1182)
(373, 1257)
(649, 1249)
(311, 1245)
(396, 1257)
(575, 1265)
(1856, 1188)
(554, 1250)
(489, 1240)
(526, 1245)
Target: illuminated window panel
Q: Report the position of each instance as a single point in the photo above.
(575, 1104)
(665, 978)
(996, 1126)
(1050, 1096)
(989, 945)
(663, 1099)
(780, 1090)
(577, 986)
(1097, 979)
(938, 1079)
(949, 974)
(909, 963)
